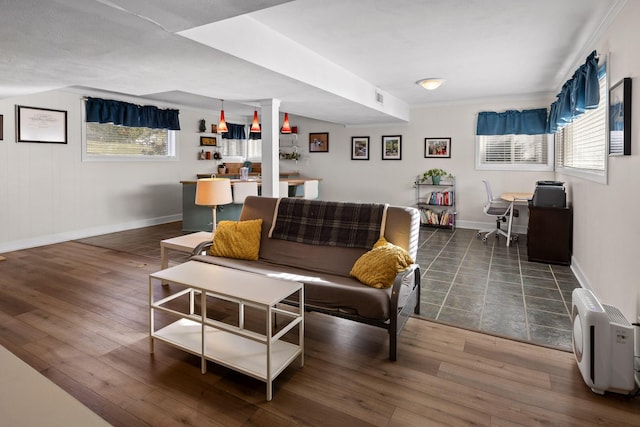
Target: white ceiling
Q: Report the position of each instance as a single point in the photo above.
(324, 59)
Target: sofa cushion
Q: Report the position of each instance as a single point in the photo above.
(239, 240)
(329, 291)
(378, 267)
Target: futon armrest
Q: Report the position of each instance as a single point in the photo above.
(403, 286)
(202, 248)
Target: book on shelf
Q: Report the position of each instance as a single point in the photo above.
(431, 217)
(439, 198)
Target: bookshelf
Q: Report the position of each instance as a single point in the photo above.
(437, 203)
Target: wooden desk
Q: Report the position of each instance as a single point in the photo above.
(514, 198)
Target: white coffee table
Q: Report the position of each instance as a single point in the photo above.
(261, 356)
(186, 243)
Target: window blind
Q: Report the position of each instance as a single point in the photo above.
(582, 144)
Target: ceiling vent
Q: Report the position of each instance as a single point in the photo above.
(379, 98)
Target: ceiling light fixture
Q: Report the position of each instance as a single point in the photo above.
(286, 127)
(255, 126)
(431, 83)
(222, 124)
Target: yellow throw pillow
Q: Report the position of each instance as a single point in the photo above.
(378, 267)
(237, 239)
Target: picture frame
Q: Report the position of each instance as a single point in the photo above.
(359, 148)
(620, 118)
(208, 141)
(319, 142)
(437, 148)
(392, 147)
(41, 125)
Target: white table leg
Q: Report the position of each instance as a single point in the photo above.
(510, 221)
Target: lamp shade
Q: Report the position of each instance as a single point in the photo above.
(286, 127)
(222, 124)
(213, 191)
(255, 125)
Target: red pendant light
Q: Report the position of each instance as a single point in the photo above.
(286, 127)
(222, 124)
(255, 126)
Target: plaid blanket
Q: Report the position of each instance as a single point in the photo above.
(317, 222)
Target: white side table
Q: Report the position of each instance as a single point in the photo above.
(260, 355)
(186, 243)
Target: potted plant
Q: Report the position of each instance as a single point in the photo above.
(435, 175)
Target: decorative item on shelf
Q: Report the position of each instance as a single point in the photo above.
(214, 128)
(294, 155)
(434, 175)
(201, 155)
(217, 156)
(203, 126)
(207, 155)
(222, 124)
(222, 169)
(208, 140)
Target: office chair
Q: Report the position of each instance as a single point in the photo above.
(499, 209)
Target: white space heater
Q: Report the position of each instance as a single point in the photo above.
(602, 344)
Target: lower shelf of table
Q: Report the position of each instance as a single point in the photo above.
(233, 351)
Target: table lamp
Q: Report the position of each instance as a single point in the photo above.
(213, 192)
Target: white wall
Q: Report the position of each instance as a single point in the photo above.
(606, 231)
(47, 194)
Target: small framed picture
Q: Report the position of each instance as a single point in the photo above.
(392, 147)
(208, 140)
(359, 148)
(437, 147)
(620, 118)
(319, 142)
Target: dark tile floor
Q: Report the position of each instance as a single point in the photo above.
(493, 288)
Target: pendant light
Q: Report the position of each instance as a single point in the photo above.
(286, 127)
(222, 124)
(255, 126)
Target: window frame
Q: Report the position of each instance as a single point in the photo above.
(172, 141)
(591, 174)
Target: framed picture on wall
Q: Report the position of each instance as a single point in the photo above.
(41, 125)
(359, 148)
(620, 118)
(208, 140)
(392, 147)
(437, 147)
(319, 142)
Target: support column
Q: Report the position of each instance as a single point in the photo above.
(270, 109)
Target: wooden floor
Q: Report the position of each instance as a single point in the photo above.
(78, 313)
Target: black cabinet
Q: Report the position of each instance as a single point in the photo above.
(550, 235)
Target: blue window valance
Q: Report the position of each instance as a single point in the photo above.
(512, 122)
(126, 114)
(235, 132)
(578, 94)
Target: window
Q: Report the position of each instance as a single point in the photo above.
(581, 146)
(109, 142)
(514, 152)
(113, 141)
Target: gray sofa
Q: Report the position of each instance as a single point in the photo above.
(324, 270)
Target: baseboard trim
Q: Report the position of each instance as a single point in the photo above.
(50, 239)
